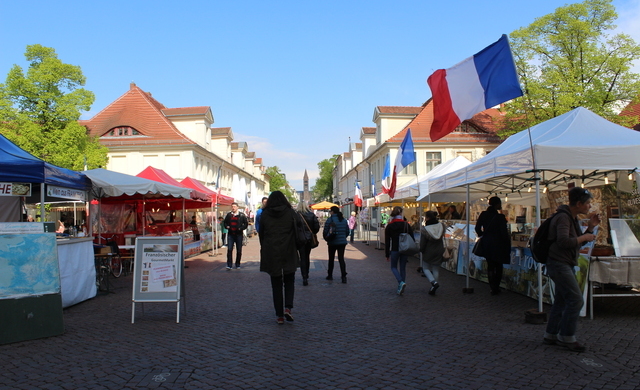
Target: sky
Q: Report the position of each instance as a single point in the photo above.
(296, 80)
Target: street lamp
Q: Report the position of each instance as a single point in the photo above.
(339, 197)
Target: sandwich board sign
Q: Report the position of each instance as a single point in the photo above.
(157, 276)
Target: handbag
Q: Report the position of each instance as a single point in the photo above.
(314, 238)
(478, 248)
(448, 254)
(407, 245)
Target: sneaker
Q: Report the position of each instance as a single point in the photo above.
(575, 346)
(434, 287)
(401, 287)
(228, 268)
(238, 267)
(287, 315)
(280, 320)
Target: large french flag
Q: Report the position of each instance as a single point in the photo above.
(404, 157)
(482, 81)
(357, 198)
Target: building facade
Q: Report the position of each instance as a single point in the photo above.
(364, 162)
(139, 131)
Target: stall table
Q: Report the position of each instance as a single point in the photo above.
(77, 270)
(623, 271)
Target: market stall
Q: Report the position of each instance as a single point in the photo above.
(576, 148)
(29, 179)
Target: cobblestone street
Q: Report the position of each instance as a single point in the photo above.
(359, 335)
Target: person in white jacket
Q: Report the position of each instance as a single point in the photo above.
(432, 249)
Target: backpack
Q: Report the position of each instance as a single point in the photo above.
(540, 243)
(300, 230)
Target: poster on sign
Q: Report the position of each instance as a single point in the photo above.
(157, 275)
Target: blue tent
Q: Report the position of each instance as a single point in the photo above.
(16, 165)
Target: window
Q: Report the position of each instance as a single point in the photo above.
(433, 159)
(465, 127)
(122, 131)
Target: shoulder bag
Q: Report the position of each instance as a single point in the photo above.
(314, 239)
(478, 248)
(407, 245)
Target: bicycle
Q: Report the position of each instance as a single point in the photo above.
(115, 260)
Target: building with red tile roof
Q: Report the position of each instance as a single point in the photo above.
(139, 131)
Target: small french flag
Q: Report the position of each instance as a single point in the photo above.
(480, 82)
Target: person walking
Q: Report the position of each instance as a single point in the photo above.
(194, 228)
(337, 242)
(259, 213)
(305, 252)
(567, 237)
(352, 225)
(223, 231)
(398, 261)
(496, 242)
(432, 248)
(278, 253)
(235, 222)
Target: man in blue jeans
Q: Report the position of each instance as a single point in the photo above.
(568, 237)
(236, 222)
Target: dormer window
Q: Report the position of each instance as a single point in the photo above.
(122, 131)
(465, 127)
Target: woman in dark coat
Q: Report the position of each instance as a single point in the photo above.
(278, 252)
(338, 242)
(496, 242)
(432, 248)
(305, 252)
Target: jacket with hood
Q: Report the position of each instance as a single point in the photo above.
(278, 252)
(431, 242)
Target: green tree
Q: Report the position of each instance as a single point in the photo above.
(278, 182)
(39, 111)
(566, 60)
(323, 189)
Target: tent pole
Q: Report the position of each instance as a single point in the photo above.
(537, 180)
(42, 189)
(468, 255)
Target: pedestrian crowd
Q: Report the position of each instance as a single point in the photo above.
(288, 235)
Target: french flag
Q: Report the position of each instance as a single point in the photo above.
(405, 157)
(480, 82)
(386, 175)
(357, 198)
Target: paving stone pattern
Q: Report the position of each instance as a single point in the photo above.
(359, 335)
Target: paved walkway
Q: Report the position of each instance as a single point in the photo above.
(359, 335)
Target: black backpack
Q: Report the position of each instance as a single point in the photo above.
(540, 243)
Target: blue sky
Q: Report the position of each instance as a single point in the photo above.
(293, 79)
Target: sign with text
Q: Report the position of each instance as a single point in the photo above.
(15, 189)
(66, 193)
(157, 275)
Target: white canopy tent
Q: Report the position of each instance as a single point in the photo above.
(579, 147)
(109, 183)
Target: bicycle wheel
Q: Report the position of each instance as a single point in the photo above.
(116, 266)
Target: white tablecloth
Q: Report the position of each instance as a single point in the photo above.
(616, 270)
(77, 270)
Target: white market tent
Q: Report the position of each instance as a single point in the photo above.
(417, 188)
(579, 147)
(108, 183)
